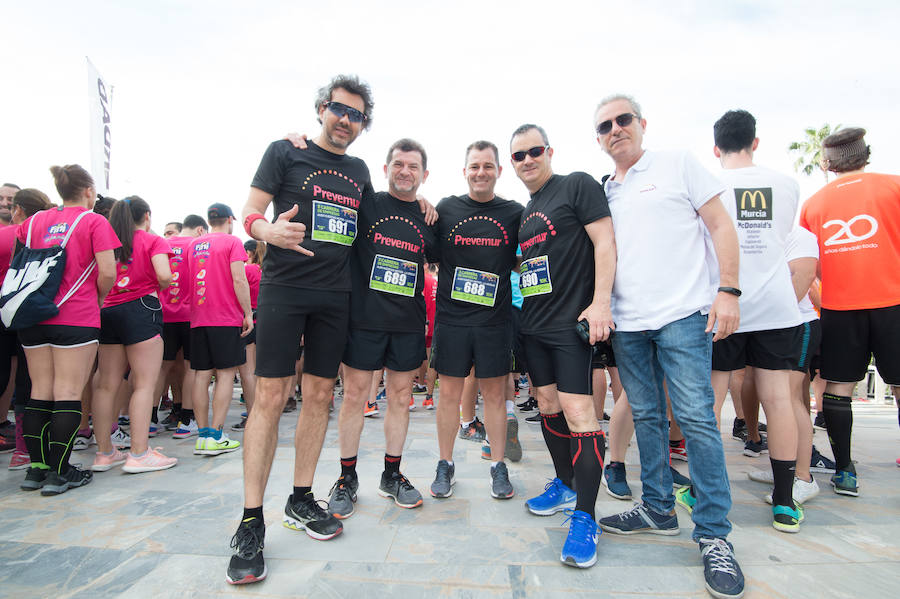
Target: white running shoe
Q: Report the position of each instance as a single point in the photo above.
(802, 490)
(761, 476)
(120, 439)
(186, 430)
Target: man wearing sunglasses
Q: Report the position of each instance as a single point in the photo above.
(569, 260)
(661, 203)
(305, 291)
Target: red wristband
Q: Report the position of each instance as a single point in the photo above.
(248, 222)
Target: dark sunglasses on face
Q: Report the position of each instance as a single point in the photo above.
(339, 110)
(533, 152)
(623, 120)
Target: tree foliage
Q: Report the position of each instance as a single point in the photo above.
(809, 150)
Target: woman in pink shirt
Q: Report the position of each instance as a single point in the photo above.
(61, 350)
(131, 335)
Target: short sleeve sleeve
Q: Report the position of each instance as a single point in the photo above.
(238, 254)
(270, 172)
(590, 200)
(702, 185)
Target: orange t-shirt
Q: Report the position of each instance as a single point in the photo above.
(857, 222)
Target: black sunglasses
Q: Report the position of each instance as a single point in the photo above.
(623, 120)
(339, 110)
(533, 152)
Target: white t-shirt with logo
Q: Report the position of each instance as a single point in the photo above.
(763, 205)
(803, 244)
(662, 274)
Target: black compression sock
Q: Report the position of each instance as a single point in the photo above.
(588, 450)
(36, 430)
(252, 512)
(557, 437)
(348, 467)
(186, 415)
(838, 411)
(64, 425)
(783, 472)
(392, 463)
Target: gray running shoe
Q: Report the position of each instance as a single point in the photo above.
(513, 450)
(444, 479)
(34, 479)
(472, 432)
(308, 515)
(342, 497)
(501, 488)
(56, 484)
(398, 487)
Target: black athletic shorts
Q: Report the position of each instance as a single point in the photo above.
(9, 343)
(559, 357)
(176, 336)
(603, 356)
(131, 322)
(284, 314)
(775, 349)
(851, 337)
(457, 348)
(809, 346)
(216, 348)
(518, 363)
(58, 335)
(374, 350)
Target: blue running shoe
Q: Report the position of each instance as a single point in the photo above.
(844, 482)
(678, 479)
(614, 480)
(555, 498)
(580, 549)
(381, 396)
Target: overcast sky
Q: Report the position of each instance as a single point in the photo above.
(202, 87)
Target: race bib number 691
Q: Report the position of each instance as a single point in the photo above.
(332, 223)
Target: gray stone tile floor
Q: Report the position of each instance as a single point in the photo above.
(166, 534)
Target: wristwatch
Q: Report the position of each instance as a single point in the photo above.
(732, 290)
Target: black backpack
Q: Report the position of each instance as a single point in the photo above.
(33, 280)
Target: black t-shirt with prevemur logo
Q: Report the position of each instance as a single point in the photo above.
(557, 272)
(478, 250)
(388, 266)
(330, 190)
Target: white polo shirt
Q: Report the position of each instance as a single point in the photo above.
(803, 244)
(662, 272)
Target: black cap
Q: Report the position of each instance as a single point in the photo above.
(219, 210)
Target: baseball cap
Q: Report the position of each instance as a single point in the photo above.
(219, 210)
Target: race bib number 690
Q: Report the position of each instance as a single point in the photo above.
(332, 223)
(534, 277)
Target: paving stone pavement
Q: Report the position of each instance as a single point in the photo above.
(166, 534)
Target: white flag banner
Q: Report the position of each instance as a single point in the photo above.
(98, 103)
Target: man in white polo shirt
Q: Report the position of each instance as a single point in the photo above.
(662, 203)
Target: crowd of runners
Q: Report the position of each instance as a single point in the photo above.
(679, 283)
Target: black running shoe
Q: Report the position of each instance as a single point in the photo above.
(170, 422)
(529, 405)
(240, 426)
(34, 479)
(398, 487)
(444, 478)
(56, 484)
(342, 497)
(501, 488)
(247, 564)
(753, 449)
(534, 418)
(739, 430)
(819, 422)
(307, 514)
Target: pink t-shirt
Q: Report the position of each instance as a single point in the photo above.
(7, 246)
(254, 274)
(92, 235)
(137, 278)
(213, 301)
(176, 299)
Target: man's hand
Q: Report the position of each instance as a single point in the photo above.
(286, 234)
(600, 321)
(431, 214)
(298, 140)
(247, 325)
(726, 311)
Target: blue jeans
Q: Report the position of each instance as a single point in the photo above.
(681, 354)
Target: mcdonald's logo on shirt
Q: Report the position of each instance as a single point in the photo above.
(754, 204)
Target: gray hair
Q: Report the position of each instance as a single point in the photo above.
(635, 107)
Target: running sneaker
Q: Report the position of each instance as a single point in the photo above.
(213, 446)
(640, 519)
(56, 484)
(844, 482)
(308, 514)
(485, 450)
(185, 430)
(170, 422)
(754, 449)
(290, 405)
(342, 497)
(371, 409)
(7, 445)
(614, 480)
(239, 427)
(678, 451)
(444, 479)
(120, 439)
(685, 499)
(151, 461)
(428, 402)
(124, 421)
(154, 430)
(534, 418)
(786, 518)
(529, 405)
(412, 404)
(678, 479)
(381, 395)
(419, 389)
(802, 491)
(761, 476)
(555, 498)
(19, 460)
(513, 451)
(247, 564)
(820, 463)
(34, 478)
(819, 421)
(104, 462)
(723, 575)
(580, 548)
(761, 427)
(8, 429)
(474, 431)
(739, 430)
(398, 487)
(501, 488)
(83, 441)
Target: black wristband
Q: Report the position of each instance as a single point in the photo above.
(732, 290)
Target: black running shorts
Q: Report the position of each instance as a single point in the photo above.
(176, 336)
(851, 337)
(285, 314)
(57, 335)
(216, 348)
(457, 348)
(131, 322)
(775, 349)
(374, 350)
(559, 357)
(809, 346)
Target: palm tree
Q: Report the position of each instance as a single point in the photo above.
(810, 149)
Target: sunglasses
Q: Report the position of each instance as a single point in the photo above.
(533, 152)
(623, 120)
(339, 110)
